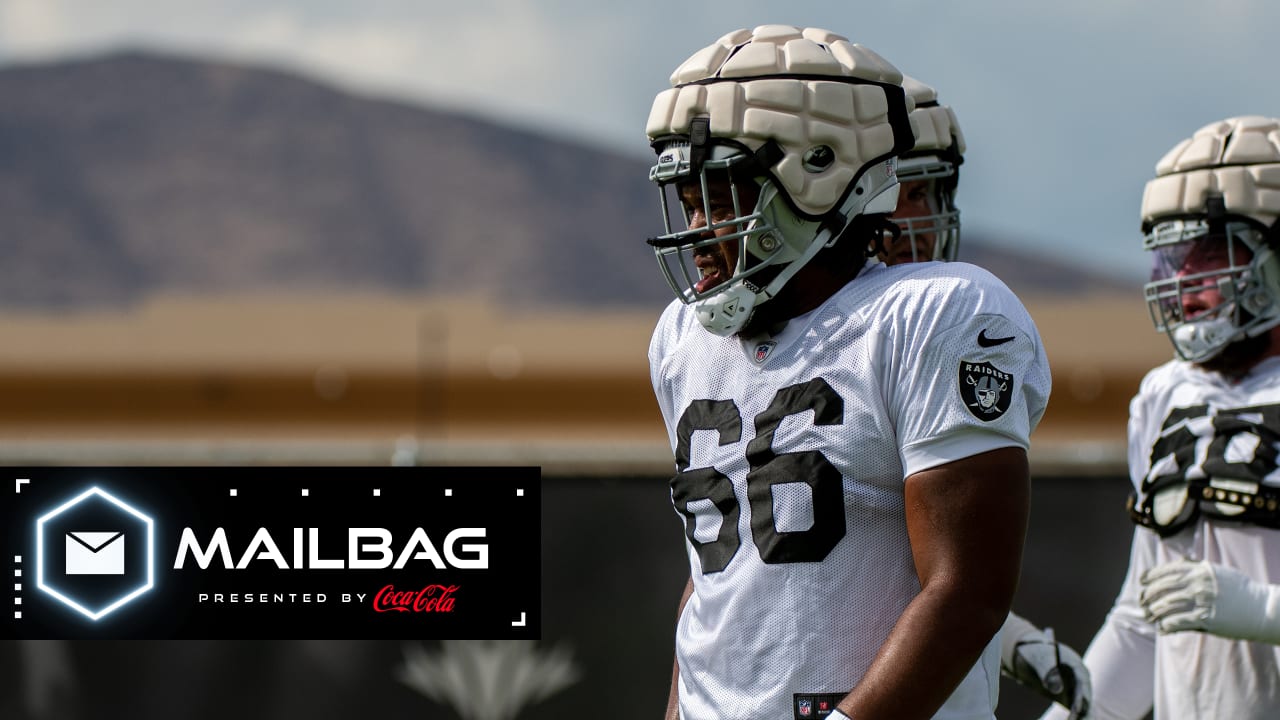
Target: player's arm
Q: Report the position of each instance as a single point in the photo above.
(966, 520)
(673, 699)
(1201, 596)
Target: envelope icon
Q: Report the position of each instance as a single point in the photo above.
(95, 553)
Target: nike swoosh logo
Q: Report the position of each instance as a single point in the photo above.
(985, 341)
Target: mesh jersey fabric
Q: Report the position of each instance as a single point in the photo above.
(791, 454)
(1196, 675)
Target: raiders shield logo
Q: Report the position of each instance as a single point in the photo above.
(985, 389)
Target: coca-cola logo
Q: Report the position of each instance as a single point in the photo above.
(432, 598)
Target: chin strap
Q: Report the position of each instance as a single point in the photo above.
(1202, 339)
(1204, 597)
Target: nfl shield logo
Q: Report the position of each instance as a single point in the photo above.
(805, 707)
(763, 350)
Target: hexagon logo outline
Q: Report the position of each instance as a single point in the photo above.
(71, 602)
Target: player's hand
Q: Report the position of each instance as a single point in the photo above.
(1216, 599)
(1038, 661)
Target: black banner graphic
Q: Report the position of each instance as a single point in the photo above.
(274, 552)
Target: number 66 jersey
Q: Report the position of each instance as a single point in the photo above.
(791, 452)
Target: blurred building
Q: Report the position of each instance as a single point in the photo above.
(377, 379)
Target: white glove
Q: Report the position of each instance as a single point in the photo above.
(1216, 599)
(1038, 661)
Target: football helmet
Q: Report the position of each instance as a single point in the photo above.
(770, 143)
(1209, 220)
(928, 175)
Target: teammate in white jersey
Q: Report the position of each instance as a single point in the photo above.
(929, 219)
(850, 439)
(1194, 629)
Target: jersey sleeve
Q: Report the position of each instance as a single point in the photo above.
(665, 336)
(967, 374)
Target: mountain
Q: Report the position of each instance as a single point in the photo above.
(1032, 274)
(133, 174)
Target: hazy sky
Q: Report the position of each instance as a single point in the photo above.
(1066, 106)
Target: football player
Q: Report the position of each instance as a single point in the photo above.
(1194, 629)
(854, 511)
(929, 221)
(927, 176)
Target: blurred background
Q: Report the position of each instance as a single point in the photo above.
(330, 232)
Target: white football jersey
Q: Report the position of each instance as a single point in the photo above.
(1193, 424)
(791, 454)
